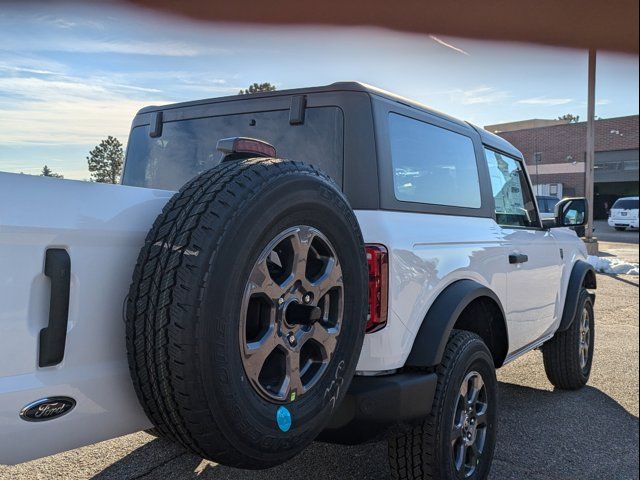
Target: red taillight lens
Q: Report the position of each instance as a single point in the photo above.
(378, 262)
(233, 146)
(249, 145)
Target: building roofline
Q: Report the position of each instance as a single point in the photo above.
(569, 124)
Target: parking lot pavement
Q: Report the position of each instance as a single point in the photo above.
(543, 434)
(604, 233)
(611, 243)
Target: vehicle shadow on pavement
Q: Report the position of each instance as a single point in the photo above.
(560, 434)
(633, 281)
(542, 434)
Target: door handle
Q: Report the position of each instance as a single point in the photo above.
(518, 258)
(57, 266)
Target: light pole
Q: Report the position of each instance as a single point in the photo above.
(592, 243)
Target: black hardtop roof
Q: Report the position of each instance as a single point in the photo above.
(487, 137)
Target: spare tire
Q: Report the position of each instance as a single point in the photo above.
(246, 314)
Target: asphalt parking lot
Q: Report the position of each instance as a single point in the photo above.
(623, 245)
(543, 434)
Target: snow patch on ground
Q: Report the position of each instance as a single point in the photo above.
(613, 265)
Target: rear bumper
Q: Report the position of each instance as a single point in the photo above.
(623, 222)
(373, 405)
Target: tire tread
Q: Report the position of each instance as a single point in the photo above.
(561, 363)
(160, 347)
(414, 454)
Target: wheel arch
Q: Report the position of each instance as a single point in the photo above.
(582, 275)
(456, 307)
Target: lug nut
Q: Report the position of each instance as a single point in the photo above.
(306, 298)
(280, 301)
(292, 339)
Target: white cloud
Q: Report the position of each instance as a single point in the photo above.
(448, 45)
(25, 63)
(65, 21)
(71, 44)
(545, 101)
(36, 71)
(478, 95)
(66, 110)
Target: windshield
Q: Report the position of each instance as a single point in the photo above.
(626, 204)
(188, 147)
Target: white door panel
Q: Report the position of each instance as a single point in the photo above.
(533, 286)
(535, 271)
(102, 227)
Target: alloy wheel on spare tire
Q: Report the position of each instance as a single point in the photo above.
(246, 314)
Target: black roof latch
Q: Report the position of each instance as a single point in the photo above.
(155, 126)
(296, 112)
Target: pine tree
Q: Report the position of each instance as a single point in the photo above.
(258, 88)
(105, 161)
(47, 172)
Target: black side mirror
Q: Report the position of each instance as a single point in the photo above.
(571, 212)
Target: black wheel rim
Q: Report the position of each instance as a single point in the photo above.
(292, 312)
(585, 339)
(469, 427)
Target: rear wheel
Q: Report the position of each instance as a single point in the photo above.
(568, 356)
(246, 314)
(457, 439)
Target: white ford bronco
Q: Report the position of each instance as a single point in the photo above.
(338, 263)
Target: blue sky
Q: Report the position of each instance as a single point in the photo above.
(71, 74)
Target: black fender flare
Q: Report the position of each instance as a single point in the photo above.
(433, 335)
(577, 279)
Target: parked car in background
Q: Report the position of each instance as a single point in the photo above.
(624, 213)
(547, 206)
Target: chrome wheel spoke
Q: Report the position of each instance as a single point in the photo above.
(256, 353)
(460, 455)
(325, 337)
(293, 378)
(331, 278)
(260, 281)
(481, 416)
(301, 243)
(456, 433)
(473, 456)
(476, 385)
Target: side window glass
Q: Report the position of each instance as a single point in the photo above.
(513, 198)
(432, 165)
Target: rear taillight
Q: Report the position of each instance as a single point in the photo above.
(378, 262)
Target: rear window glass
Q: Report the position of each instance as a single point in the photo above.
(432, 165)
(188, 147)
(626, 204)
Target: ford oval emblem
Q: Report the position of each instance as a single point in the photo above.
(47, 409)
